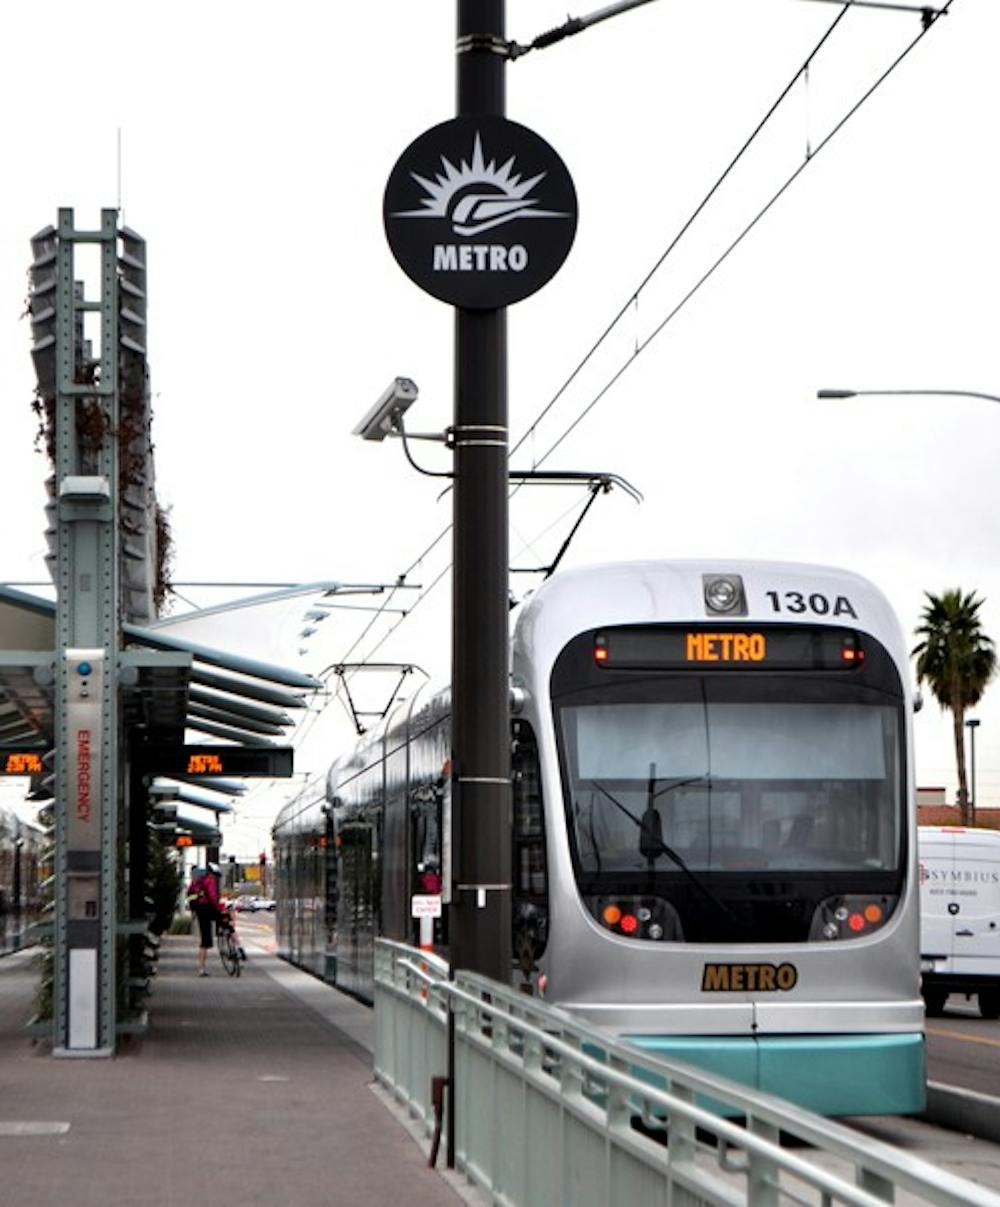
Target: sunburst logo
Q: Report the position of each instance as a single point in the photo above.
(477, 196)
(481, 179)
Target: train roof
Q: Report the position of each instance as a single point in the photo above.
(303, 807)
(637, 592)
(427, 702)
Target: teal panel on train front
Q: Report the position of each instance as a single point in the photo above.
(727, 1056)
(846, 1074)
(829, 1074)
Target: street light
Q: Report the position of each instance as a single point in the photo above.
(972, 724)
(950, 393)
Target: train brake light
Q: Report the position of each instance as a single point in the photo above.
(647, 918)
(850, 917)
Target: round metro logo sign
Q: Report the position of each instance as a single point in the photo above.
(480, 212)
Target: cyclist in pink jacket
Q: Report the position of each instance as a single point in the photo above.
(203, 900)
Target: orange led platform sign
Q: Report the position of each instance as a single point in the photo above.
(204, 764)
(274, 762)
(20, 762)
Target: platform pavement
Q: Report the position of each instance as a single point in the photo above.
(245, 1091)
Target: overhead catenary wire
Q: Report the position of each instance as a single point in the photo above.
(720, 260)
(633, 297)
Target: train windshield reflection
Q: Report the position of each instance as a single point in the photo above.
(731, 785)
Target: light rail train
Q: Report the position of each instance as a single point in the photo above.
(21, 873)
(713, 833)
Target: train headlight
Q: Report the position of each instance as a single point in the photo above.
(724, 594)
(850, 917)
(649, 918)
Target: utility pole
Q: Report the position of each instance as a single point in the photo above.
(480, 212)
(972, 724)
(480, 912)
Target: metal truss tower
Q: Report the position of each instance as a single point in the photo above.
(80, 391)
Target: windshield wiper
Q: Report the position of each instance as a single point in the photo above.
(651, 844)
(651, 840)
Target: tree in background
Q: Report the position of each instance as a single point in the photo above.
(957, 660)
(163, 883)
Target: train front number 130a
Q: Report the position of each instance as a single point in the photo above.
(815, 602)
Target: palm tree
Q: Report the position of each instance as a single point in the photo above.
(957, 660)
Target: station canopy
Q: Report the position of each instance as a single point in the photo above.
(169, 684)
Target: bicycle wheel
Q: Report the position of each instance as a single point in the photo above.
(228, 953)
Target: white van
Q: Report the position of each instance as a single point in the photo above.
(960, 915)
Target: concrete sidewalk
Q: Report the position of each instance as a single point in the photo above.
(250, 1090)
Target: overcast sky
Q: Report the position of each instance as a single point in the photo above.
(256, 141)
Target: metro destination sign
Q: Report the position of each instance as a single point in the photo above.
(762, 647)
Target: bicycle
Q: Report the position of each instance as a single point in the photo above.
(229, 950)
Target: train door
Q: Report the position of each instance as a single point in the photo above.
(330, 901)
(395, 917)
(358, 899)
(530, 904)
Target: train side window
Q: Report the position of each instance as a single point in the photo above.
(530, 912)
(330, 866)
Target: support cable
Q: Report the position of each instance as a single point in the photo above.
(634, 295)
(733, 245)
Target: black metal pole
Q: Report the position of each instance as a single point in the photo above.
(480, 921)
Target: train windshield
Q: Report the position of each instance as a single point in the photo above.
(760, 784)
(742, 801)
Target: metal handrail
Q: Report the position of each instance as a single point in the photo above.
(516, 1031)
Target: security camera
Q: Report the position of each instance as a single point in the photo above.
(381, 420)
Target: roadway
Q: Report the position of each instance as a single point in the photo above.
(963, 1049)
